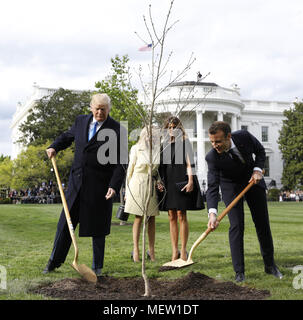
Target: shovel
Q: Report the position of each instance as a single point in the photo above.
(87, 273)
(180, 263)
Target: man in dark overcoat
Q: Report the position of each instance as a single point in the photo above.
(95, 178)
(236, 159)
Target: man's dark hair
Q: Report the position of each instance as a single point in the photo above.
(219, 126)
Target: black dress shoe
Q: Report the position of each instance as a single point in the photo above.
(274, 271)
(240, 277)
(51, 266)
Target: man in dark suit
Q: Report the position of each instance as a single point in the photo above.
(231, 166)
(95, 178)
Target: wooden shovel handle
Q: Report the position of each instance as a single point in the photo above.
(67, 214)
(234, 202)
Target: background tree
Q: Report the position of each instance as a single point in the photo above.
(53, 115)
(32, 167)
(6, 166)
(291, 146)
(3, 157)
(124, 98)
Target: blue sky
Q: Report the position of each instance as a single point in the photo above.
(255, 44)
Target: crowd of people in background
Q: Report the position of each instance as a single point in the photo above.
(45, 193)
(49, 193)
(291, 196)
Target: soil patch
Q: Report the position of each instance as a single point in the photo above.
(193, 286)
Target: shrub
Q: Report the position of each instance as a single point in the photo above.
(5, 201)
(273, 194)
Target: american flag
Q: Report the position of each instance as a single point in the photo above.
(148, 47)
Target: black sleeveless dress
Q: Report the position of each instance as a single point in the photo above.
(173, 171)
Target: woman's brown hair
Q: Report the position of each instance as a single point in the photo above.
(177, 123)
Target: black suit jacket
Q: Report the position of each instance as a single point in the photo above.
(91, 178)
(223, 172)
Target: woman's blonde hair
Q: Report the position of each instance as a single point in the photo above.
(144, 137)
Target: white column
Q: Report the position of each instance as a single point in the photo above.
(200, 146)
(234, 122)
(220, 116)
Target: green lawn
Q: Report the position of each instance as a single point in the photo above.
(27, 232)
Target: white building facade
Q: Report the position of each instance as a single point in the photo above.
(198, 104)
(22, 112)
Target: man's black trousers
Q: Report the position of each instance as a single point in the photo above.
(63, 239)
(257, 203)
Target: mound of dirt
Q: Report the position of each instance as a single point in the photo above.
(193, 286)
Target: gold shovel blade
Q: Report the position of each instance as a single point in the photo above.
(178, 263)
(87, 273)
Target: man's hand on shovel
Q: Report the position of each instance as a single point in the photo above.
(256, 176)
(212, 221)
(51, 152)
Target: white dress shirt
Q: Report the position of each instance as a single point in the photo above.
(92, 124)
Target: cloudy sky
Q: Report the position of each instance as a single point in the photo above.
(256, 44)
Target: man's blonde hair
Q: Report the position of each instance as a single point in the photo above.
(100, 98)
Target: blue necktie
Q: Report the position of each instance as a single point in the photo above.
(93, 131)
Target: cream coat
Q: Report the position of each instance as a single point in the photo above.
(137, 182)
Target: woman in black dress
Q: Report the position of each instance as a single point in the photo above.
(180, 184)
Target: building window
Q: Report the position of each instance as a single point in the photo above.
(264, 134)
(244, 128)
(266, 167)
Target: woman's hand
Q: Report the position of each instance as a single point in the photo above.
(189, 187)
(160, 186)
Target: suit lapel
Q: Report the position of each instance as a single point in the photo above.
(87, 122)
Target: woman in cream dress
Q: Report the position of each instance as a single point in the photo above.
(137, 189)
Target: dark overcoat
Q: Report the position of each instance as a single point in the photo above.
(89, 179)
(224, 173)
